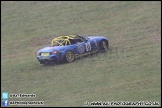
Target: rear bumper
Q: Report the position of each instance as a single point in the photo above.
(47, 59)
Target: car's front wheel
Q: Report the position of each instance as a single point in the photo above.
(104, 46)
(69, 56)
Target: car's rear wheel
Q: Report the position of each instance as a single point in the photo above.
(69, 56)
(103, 46)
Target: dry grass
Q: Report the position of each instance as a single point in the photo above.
(130, 71)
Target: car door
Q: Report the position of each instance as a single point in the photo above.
(81, 48)
(84, 47)
(88, 46)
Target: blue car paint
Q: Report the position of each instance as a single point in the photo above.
(74, 48)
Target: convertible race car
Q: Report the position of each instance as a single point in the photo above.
(70, 47)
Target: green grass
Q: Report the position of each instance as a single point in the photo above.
(129, 71)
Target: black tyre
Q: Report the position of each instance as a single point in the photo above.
(104, 46)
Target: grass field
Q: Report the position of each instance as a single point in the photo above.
(129, 71)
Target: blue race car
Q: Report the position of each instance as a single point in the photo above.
(68, 48)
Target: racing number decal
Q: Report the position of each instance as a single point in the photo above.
(81, 49)
(88, 46)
